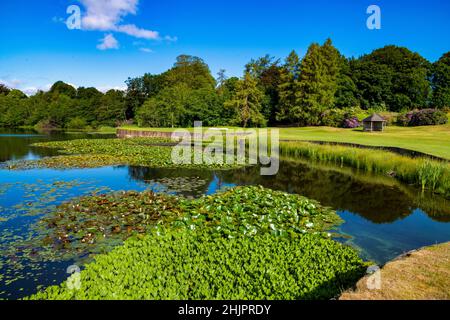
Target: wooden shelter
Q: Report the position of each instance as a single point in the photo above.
(374, 123)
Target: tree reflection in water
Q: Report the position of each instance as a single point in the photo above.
(377, 199)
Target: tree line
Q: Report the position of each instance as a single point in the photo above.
(322, 88)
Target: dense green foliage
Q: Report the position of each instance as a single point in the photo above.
(63, 106)
(184, 265)
(196, 249)
(441, 82)
(297, 92)
(315, 88)
(393, 79)
(428, 174)
(246, 103)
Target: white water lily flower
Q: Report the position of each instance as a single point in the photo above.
(310, 225)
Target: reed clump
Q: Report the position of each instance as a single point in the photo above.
(428, 174)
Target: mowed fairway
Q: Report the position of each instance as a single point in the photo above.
(433, 140)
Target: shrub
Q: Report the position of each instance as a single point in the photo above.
(425, 117)
(333, 117)
(351, 123)
(185, 265)
(390, 117)
(404, 119)
(77, 123)
(46, 125)
(343, 118)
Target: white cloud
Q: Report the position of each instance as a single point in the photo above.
(105, 89)
(107, 15)
(104, 15)
(108, 42)
(146, 50)
(171, 39)
(132, 30)
(58, 20)
(21, 85)
(31, 89)
(13, 84)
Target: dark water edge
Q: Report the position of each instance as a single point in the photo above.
(383, 218)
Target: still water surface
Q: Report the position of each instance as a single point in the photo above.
(383, 218)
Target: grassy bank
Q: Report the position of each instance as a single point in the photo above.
(420, 275)
(433, 140)
(428, 174)
(244, 243)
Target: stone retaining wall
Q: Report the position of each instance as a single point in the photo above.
(125, 134)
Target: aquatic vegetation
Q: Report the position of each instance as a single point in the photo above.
(192, 249)
(26, 204)
(429, 174)
(67, 162)
(89, 153)
(195, 265)
(37, 198)
(177, 185)
(95, 224)
(253, 210)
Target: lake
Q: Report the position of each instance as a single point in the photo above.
(383, 218)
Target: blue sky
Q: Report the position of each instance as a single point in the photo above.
(38, 49)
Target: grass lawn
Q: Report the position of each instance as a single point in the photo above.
(434, 140)
(421, 275)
